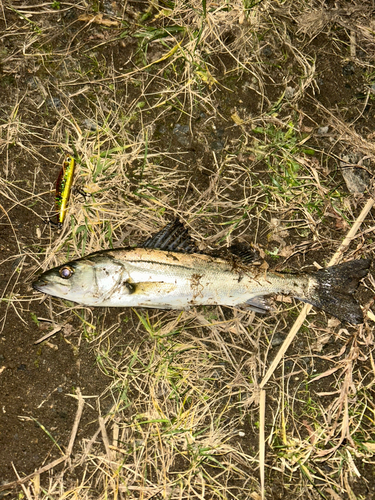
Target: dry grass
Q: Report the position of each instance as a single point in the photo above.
(180, 416)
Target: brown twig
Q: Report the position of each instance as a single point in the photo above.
(58, 461)
(289, 339)
(262, 444)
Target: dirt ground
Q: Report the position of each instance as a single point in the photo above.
(57, 61)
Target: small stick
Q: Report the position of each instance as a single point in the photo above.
(104, 434)
(95, 436)
(58, 461)
(48, 335)
(353, 44)
(262, 444)
(306, 308)
(24, 480)
(76, 422)
(289, 339)
(353, 231)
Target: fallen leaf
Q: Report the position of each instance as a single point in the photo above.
(287, 251)
(237, 120)
(370, 446)
(98, 19)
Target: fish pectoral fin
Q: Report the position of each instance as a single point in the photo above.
(257, 304)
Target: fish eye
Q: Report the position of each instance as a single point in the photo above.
(66, 272)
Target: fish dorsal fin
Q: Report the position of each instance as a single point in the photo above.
(174, 237)
(245, 253)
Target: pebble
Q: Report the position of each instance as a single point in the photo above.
(277, 340)
(289, 92)
(182, 134)
(348, 69)
(54, 102)
(357, 178)
(217, 145)
(323, 130)
(90, 124)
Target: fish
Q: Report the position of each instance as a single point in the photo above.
(168, 271)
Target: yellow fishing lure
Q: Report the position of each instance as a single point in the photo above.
(63, 188)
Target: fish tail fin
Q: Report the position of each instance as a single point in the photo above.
(335, 285)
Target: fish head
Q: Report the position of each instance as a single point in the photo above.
(87, 281)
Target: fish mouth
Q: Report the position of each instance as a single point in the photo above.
(45, 286)
(39, 285)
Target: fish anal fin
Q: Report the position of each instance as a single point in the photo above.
(174, 237)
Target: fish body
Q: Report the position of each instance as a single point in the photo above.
(168, 278)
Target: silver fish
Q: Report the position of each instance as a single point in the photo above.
(167, 272)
